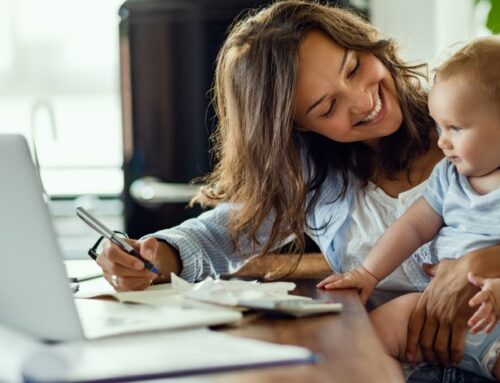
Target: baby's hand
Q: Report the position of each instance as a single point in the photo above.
(358, 278)
(488, 299)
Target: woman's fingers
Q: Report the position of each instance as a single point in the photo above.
(112, 254)
(457, 344)
(428, 339)
(148, 248)
(417, 320)
(441, 345)
(122, 270)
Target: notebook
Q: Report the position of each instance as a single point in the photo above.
(35, 296)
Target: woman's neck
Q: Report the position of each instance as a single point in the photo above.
(420, 170)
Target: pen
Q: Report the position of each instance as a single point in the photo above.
(103, 230)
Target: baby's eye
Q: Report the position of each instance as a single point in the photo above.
(439, 130)
(455, 129)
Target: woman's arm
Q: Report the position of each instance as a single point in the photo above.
(272, 266)
(438, 324)
(197, 248)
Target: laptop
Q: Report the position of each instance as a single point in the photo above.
(35, 295)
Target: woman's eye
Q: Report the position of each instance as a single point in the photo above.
(330, 110)
(354, 70)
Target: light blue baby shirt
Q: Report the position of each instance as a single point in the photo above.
(471, 220)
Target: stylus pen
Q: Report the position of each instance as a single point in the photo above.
(103, 230)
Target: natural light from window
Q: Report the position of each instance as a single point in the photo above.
(59, 86)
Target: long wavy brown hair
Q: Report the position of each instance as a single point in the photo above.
(257, 146)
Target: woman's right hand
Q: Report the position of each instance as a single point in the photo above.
(125, 272)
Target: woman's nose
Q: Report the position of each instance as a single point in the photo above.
(362, 102)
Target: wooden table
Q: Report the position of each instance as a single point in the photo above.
(347, 342)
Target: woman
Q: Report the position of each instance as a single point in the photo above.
(322, 127)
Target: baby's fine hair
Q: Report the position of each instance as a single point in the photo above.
(477, 62)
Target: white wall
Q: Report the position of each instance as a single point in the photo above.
(425, 27)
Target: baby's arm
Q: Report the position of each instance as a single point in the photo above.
(417, 226)
(488, 299)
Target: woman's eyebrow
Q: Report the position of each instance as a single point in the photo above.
(320, 100)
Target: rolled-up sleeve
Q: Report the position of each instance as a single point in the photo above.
(206, 247)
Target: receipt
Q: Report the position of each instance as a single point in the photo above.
(229, 292)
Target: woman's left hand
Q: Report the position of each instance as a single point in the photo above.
(439, 322)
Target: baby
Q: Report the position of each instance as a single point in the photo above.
(459, 209)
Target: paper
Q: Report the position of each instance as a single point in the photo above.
(228, 293)
(157, 355)
(82, 270)
(220, 292)
(102, 318)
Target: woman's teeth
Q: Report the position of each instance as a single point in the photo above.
(375, 111)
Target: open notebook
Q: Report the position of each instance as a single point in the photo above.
(35, 296)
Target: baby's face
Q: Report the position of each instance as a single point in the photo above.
(468, 124)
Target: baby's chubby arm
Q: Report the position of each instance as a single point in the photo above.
(418, 225)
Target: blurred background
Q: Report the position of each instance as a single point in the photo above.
(113, 96)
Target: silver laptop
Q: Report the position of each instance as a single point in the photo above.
(35, 296)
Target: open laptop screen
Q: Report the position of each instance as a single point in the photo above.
(35, 296)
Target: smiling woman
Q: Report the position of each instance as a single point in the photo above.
(355, 93)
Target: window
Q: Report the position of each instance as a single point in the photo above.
(59, 74)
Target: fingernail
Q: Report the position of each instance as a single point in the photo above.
(409, 356)
(148, 254)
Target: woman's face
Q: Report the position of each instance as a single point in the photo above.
(345, 95)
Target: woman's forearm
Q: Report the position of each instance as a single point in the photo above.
(277, 266)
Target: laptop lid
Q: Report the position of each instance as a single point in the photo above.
(35, 296)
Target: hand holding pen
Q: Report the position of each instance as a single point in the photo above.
(138, 264)
(126, 272)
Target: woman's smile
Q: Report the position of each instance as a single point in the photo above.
(377, 114)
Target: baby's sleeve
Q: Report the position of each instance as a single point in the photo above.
(437, 185)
